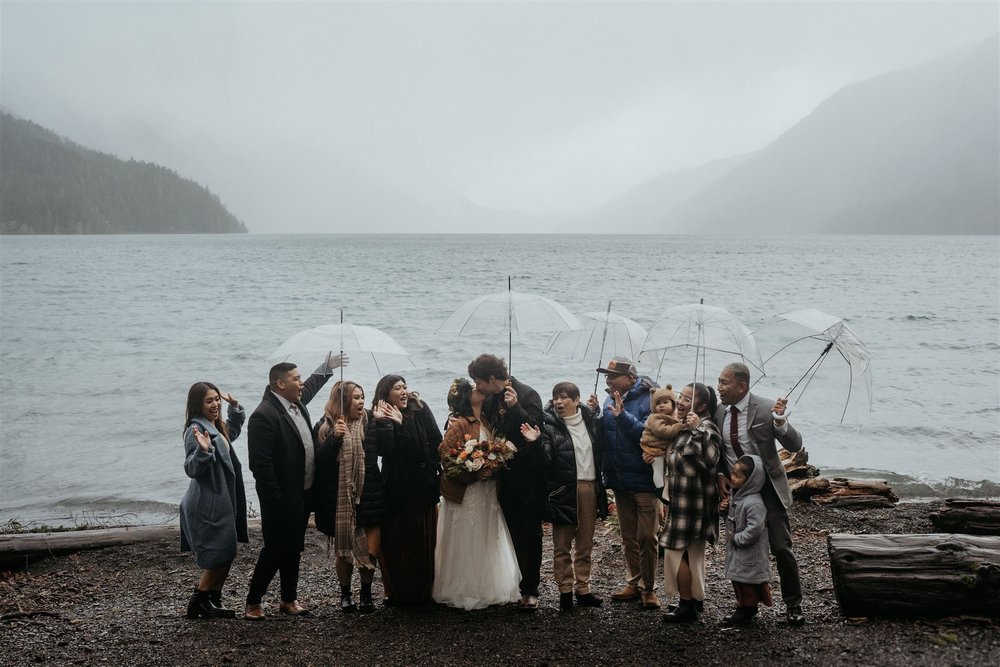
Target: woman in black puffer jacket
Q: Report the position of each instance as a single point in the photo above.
(576, 496)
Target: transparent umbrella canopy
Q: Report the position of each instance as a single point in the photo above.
(707, 332)
(603, 335)
(513, 312)
(793, 339)
(368, 348)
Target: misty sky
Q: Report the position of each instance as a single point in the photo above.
(549, 108)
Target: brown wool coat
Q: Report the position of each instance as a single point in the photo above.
(452, 485)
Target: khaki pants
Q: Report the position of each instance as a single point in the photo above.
(638, 517)
(566, 567)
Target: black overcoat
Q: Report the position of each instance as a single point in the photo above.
(523, 481)
(412, 466)
(278, 462)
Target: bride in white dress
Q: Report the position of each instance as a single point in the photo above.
(474, 564)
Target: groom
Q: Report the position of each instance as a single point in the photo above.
(508, 405)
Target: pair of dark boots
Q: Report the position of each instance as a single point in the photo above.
(685, 612)
(365, 604)
(208, 604)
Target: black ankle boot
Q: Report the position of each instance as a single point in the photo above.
(215, 597)
(200, 606)
(686, 612)
(566, 601)
(347, 600)
(365, 604)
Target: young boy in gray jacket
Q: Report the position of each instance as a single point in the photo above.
(747, 563)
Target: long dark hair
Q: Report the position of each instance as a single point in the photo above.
(704, 396)
(385, 385)
(195, 403)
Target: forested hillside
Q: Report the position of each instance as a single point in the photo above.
(50, 185)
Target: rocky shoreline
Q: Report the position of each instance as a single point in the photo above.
(124, 605)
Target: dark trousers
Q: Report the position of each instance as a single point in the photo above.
(273, 560)
(779, 535)
(525, 525)
(269, 563)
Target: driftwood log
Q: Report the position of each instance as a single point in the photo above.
(18, 550)
(806, 484)
(856, 494)
(975, 517)
(807, 487)
(796, 464)
(911, 576)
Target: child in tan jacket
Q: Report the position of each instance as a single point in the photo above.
(662, 428)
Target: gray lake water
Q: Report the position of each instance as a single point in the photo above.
(102, 336)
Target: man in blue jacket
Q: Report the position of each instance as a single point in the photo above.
(621, 421)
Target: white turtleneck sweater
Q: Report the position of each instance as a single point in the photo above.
(585, 470)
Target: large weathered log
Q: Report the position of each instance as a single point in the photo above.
(796, 464)
(968, 515)
(854, 501)
(804, 488)
(857, 494)
(916, 575)
(17, 550)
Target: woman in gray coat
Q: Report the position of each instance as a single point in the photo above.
(214, 509)
(747, 563)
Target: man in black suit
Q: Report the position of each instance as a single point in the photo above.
(283, 461)
(751, 424)
(508, 405)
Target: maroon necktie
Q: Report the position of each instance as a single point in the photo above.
(734, 430)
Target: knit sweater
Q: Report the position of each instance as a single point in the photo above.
(585, 470)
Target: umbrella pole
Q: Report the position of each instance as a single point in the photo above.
(341, 347)
(604, 337)
(510, 329)
(697, 351)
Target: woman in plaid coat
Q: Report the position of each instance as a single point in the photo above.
(693, 512)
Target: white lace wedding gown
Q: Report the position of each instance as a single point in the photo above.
(474, 564)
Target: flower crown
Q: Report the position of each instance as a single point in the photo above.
(453, 390)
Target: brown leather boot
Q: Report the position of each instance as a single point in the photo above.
(626, 594)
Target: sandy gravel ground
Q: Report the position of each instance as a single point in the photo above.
(125, 606)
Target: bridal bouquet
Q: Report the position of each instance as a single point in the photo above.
(474, 455)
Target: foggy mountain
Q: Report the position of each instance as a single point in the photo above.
(51, 185)
(640, 210)
(912, 151)
(279, 185)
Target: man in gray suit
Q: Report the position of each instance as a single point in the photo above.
(751, 425)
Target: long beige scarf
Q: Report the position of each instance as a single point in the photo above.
(349, 541)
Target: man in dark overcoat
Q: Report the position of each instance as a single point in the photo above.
(282, 451)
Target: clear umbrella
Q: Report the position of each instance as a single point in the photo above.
(827, 333)
(705, 331)
(603, 335)
(367, 347)
(513, 312)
